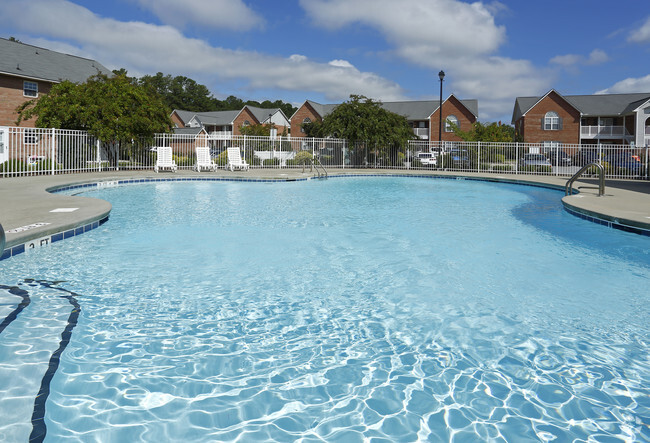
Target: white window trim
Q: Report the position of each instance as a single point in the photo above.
(451, 119)
(551, 121)
(30, 136)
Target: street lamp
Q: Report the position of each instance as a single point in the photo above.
(441, 76)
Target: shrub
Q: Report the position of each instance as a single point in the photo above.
(502, 168)
(416, 163)
(14, 165)
(485, 166)
(271, 161)
(222, 159)
(44, 165)
(182, 160)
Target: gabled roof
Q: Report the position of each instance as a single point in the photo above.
(588, 105)
(412, 110)
(262, 114)
(217, 118)
(185, 116)
(31, 62)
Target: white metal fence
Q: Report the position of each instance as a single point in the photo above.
(32, 151)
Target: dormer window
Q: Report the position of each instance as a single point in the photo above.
(552, 122)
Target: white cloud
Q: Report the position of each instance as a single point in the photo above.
(460, 38)
(596, 57)
(418, 29)
(144, 48)
(641, 35)
(228, 14)
(341, 64)
(641, 84)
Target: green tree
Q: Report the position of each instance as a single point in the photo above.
(364, 122)
(114, 109)
(487, 132)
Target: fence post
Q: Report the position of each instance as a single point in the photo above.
(516, 157)
(479, 157)
(52, 143)
(99, 155)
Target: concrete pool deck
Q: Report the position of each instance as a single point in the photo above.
(28, 212)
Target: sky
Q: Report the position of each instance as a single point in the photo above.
(325, 50)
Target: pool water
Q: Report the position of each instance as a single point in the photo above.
(351, 309)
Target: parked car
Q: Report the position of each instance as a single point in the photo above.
(624, 163)
(427, 158)
(459, 158)
(559, 158)
(534, 160)
(586, 156)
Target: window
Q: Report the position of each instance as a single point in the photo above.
(30, 89)
(305, 121)
(247, 123)
(452, 119)
(552, 122)
(30, 136)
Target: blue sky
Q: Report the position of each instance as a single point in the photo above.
(325, 50)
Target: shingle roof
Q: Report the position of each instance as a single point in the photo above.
(188, 131)
(218, 118)
(23, 60)
(262, 114)
(412, 110)
(588, 105)
(185, 116)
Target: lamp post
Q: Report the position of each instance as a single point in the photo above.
(441, 76)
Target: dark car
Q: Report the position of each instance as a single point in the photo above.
(586, 156)
(459, 158)
(624, 163)
(559, 158)
(534, 160)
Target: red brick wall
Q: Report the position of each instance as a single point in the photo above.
(452, 106)
(305, 111)
(531, 128)
(11, 96)
(177, 121)
(239, 121)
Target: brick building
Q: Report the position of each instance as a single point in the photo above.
(423, 116)
(222, 125)
(27, 72)
(554, 119)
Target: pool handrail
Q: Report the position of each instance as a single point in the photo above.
(319, 165)
(568, 189)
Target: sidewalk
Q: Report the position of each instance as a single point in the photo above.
(28, 212)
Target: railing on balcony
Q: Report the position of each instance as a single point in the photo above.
(220, 135)
(604, 131)
(422, 133)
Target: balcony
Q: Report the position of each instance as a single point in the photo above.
(612, 132)
(422, 133)
(220, 135)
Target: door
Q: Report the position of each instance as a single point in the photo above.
(4, 144)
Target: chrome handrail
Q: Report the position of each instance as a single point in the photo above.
(568, 189)
(321, 166)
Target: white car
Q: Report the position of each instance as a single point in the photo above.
(427, 158)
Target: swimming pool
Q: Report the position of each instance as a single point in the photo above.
(338, 310)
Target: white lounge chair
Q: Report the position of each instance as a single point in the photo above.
(164, 159)
(203, 160)
(235, 161)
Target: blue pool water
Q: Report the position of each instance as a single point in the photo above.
(395, 309)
